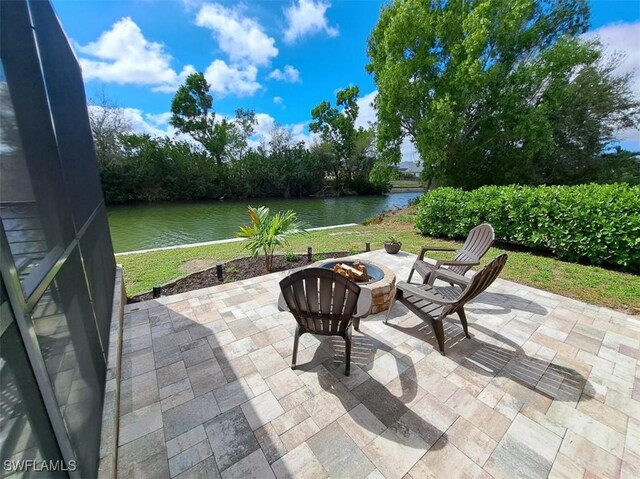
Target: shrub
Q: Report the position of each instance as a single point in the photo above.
(290, 257)
(268, 231)
(599, 224)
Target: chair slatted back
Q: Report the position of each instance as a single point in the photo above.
(321, 301)
(475, 246)
(480, 281)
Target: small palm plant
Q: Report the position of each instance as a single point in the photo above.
(267, 232)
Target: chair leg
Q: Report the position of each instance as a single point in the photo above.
(410, 275)
(295, 347)
(347, 349)
(438, 330)
(463, 320)
(393, 301)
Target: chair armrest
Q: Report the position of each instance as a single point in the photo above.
(424, 249)
(456, 263)
(448, 276)
(365, 301)
(282, 304)
(424, 294)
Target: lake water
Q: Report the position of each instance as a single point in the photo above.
(143, 226)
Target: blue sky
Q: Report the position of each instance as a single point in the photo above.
(278, 58)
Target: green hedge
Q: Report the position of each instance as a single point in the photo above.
(599, 224)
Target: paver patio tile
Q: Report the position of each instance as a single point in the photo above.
(300, 463)
(270, 443)
(339, 455)
(231, 437)
(289, 419)
(385, 368)
(271, 336)
(470, 440)
(206, 376)
(284, 382)
(262, 409)
(190, 414)
(526, 450)
(298, 434)
(145, 457)
(478, 413)
(171, 340)
(395, 454)
(589, 456)
(206, 469)
(186, 440)
(139, 423)
(384, 405)
(132, 345)
(327, 406)
(565, 468)
(295, 398)
(361, 425)
(243, 327)
(171, 374)
(139, 362)
(584, 425)
(177, 399)
(254, 466)
(138, 391)
(267, 361)
(188, 458)
(233, 394)
(236, 367)
(196, 352)
(445, 460)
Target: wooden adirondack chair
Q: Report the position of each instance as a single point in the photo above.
(324, 303)
(423, 299)
(475, 246)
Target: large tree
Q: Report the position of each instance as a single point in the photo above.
(192, 113)
(109, 125)
(352, 147)
(496, 91)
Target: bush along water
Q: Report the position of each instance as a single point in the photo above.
(598, 224)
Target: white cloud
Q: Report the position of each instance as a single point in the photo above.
(308, 17)
(240, 37)
(231, 79)
(158, 119)
(289, 74)
(366, 112)
(123, 55)
(278, 100)
(623, 38)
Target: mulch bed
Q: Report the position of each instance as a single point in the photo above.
(234, 270)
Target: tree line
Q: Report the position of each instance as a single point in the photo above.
(212, 159)
(490, 92)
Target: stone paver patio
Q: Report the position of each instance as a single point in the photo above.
(547, 386)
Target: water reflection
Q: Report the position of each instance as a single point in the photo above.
(145, 226)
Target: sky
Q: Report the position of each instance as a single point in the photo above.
(277, 58)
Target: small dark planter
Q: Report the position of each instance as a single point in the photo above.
(392, 248)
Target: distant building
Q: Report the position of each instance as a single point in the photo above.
(409, 167)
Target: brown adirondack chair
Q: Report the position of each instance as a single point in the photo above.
(423, 300)
(324, 303)
(475, 246)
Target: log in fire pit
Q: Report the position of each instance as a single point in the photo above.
(380, 279)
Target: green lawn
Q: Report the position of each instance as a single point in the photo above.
(586, 283)
(407, 183)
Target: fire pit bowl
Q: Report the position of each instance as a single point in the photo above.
(374, 272)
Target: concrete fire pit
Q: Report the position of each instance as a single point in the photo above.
(382, 285)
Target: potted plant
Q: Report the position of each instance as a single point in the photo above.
(392, 246)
